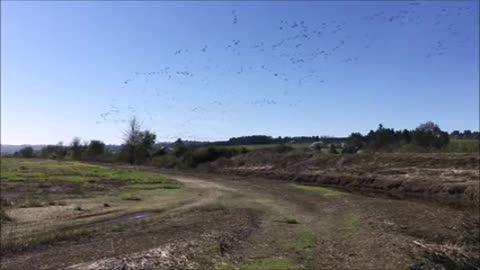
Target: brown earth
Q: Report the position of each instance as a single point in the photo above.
(15, 192)
(452, 179)
(239, 222)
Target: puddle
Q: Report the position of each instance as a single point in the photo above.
(128, 217)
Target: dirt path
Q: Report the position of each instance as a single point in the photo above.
(359, 232)
(251, 223)
(212, 190)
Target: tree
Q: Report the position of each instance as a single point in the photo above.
(76, 148)
(147, 141)
(428, 126)
(26, 152)
(406, 136)
(179, 148)
(137, 144)
(54, 151)
(95, 149)
(132, 140)
(429, 135)
(333, 150)
(356, 140)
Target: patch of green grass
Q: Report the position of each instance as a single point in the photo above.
(463, 146)
(31, 203)
(272, 263)
(352, 219)
(304, 242)
(73, 171)
(3, 216)
(327, 192)
(130, 197)
(286, 220)
(239, 200)
(351, 224)
(221, 263)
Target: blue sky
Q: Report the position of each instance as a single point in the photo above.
(213, 70)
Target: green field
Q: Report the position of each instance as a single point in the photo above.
(15, 169)
(463, 146)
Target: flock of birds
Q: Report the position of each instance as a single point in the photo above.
(297, 54)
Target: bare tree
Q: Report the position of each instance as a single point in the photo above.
(132, 139)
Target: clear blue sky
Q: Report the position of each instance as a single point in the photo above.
(213, 70)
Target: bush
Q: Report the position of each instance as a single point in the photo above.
(26, 152)
(333, 149)
(54, 151)
(350, 149)
(165, 161)
(283, 148)
(3, 216)
(210, 153)
(95, 149)
(160, 152)
(463, 146)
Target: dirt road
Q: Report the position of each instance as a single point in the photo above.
(251, 223)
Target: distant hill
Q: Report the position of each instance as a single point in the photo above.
(11, 148)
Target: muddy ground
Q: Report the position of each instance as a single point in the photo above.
(240, 222)
(14, 192)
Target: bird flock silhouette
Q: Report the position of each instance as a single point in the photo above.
(298, 51)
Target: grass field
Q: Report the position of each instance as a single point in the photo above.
(15, 169)
(463, 146)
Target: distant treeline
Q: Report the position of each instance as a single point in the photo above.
(427, 136)
(263, 139)
(465, 135)
(92, 150)
(140, 146)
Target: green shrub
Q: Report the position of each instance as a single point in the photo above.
(463, 146)
(283, 148)
(333, 149)
(165, 161)
(210, 153)
(3, 216)
(26, 152)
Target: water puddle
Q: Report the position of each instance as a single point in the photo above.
(128, 217)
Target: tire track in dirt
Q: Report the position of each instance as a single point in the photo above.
(352, 229)
(213, 190)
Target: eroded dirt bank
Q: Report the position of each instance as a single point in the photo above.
(451, 179)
